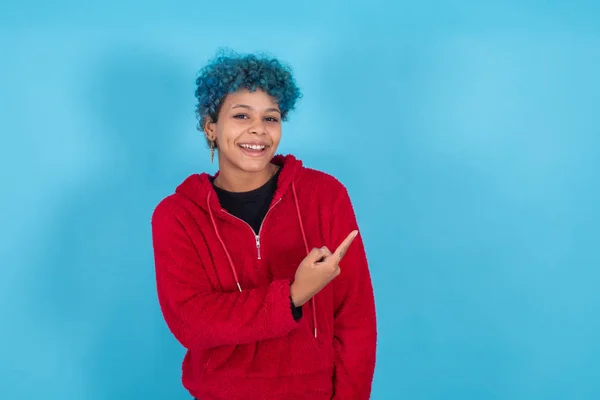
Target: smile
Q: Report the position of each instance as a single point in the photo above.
(252, 146)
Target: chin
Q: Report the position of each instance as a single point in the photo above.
(254, 165)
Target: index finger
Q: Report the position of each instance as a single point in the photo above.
(341, 250)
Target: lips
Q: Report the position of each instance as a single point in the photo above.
(249, 146)
(253, 149)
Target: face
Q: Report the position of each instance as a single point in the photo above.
(247, 131)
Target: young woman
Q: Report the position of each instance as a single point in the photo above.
(260, 270)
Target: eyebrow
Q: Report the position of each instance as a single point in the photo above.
(250, 108)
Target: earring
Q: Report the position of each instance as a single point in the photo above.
(212, 151)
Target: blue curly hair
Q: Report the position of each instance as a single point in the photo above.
(229, 72)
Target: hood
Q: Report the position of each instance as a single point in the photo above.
(198, 187)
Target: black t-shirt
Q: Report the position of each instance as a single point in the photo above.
(252, 207)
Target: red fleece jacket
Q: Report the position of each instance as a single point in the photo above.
(225, 293)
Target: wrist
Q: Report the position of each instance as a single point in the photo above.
(294, 296)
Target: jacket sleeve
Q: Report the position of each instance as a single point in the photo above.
(355, 331)
(200, 317)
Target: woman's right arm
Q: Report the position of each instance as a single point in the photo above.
(200, 317)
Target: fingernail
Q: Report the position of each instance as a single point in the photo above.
(355, 234)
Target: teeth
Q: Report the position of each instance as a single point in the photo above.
(252, 146)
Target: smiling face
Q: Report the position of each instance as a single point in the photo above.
(247, 131)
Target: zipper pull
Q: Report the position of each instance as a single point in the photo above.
(258, 245)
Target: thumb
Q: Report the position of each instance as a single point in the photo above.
(317, 254)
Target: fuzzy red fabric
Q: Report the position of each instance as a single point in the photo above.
(225, 293)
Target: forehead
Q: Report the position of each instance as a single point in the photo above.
(257, 99)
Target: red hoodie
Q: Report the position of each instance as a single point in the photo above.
(225, 293)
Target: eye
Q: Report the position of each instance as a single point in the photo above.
(271, 119)
(240, 116)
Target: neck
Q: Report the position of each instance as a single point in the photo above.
(234, 180)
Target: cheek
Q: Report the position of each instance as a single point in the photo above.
(228, 134)
(276, 135)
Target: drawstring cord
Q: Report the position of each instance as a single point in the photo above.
(212, 218)
(312, 300)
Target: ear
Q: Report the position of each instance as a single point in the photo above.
(210, 128)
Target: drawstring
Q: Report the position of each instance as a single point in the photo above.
(237, 281)
(212, 218)
(312, 300)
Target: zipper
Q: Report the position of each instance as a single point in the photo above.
(261, 226)
(258, 245)
(256, 237)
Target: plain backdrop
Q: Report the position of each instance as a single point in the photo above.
(466, 132)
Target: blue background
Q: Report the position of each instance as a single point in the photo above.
(467, 133)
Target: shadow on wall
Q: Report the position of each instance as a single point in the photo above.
(96, 283)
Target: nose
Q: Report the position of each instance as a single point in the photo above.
(258, 128)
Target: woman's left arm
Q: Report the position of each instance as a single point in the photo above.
(355, 328)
